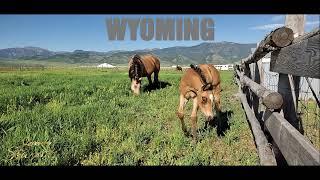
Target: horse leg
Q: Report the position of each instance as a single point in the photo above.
(149, 79)
(156, 78)
(194, 119)
(216, 96)
(180, 113)
(217, 106)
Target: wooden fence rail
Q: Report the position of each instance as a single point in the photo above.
(300, 59)
(265, 152)
(271, 99)
(289, 56)
(292, 144)
(278, 38)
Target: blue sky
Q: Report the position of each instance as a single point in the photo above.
(89, 32)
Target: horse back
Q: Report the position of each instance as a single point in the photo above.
(212, 74)
(191, 80)
(151, 63)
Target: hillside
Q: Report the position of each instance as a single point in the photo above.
(13, 53)
(216, 53)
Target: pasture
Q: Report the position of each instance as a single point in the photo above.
(83, 116)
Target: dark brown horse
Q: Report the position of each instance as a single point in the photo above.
(179, 68)
(143, 66)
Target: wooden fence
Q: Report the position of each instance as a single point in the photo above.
(275, 128)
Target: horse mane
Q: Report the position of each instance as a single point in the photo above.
(136, 63)
(206, 86)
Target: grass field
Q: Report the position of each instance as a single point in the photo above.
(310, 121)
(89, 117)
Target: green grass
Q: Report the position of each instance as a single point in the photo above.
(13, 64)
(89, 117)
(310, 117)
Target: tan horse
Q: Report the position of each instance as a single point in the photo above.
(143, 66)
(202, 85)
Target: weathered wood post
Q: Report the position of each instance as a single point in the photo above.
(265, 152)
(298, 57)
(278, 38)
(288, 85)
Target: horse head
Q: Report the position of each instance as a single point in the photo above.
(204, 95)
(135, 74)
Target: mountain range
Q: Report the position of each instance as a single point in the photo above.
(214, 53)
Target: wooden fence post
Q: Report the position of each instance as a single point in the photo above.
(288, 85)
(291, 59)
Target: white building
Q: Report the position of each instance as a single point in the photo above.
(224, 67)
(106, 65)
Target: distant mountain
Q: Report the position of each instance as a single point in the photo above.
(215, 53)
(14, 53)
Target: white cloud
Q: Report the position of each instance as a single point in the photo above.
(266, 27)
(276, 25)
(278, 18)
(308, 23)
(313, 17)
